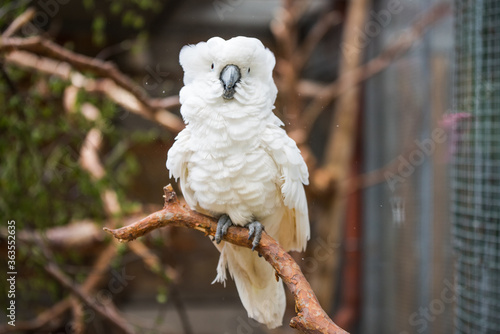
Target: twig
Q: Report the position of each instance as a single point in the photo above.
(21, 20)
(57, 311)
(106, 313)
(310, 316)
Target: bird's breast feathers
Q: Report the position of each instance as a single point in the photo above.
(242, 184)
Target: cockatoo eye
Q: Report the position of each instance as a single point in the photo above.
(248, 70)
(212, 67)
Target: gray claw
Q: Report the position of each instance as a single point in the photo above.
(255, 229)
(222, 225)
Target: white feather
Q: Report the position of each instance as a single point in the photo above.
(234, 158)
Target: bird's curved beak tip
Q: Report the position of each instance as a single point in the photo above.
(229, 77)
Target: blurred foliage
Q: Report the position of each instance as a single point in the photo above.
(42, 184)
(40, 145)
(40, 172)
(41, 180)
(132, 14)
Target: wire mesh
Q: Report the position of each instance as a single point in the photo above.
(476, 166)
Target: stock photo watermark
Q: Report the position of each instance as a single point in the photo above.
(154, 78)
(11, 272)
(377, 22)
(323, 250)
(222, 7)
(407, 165)
(427, 314)
(118, 282)
(48, 9)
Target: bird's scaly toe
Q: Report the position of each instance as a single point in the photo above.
(222, 226)
(255, 229)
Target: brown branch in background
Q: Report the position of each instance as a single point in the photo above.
(293, 56)
(105, 86)
(55, 313)
(81, 235)
(60, 61)
(339, 152)
(18, 22)
(310, 316)
(46, 56)
(323, 180)
(106, 312)
(78, 323)
(314, 36)
(152, 261)
(90, 161)
(284, 28)
(41, 55)
(44, 47)
(324, 95)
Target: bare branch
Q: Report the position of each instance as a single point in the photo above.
(328, 93)
(44, 47)
(21, 20)
(105, 312)
(55, 313)
(45, 56)
(82, 234)
(310, 316)
(314, 36)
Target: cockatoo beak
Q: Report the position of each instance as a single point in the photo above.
(229, 77)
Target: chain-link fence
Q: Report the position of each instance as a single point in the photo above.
(476, 166)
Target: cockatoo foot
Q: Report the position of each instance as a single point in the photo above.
(222, 225)
(255, 229)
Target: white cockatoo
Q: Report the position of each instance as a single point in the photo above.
(237, 164)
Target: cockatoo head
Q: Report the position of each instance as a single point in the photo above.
(238, 70)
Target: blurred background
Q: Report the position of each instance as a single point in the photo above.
(395, 105)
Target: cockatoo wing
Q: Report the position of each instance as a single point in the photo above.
(177, 159)
(294, 230)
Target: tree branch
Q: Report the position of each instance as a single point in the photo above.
(310, 316)
(43, 47)
(392, 52)
(19, 21)
(106, 312)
